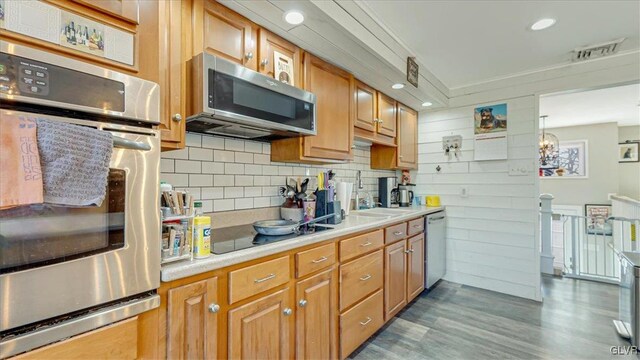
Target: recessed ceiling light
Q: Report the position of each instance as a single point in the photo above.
(397, 86)
(426, 103)
(294, 17)
(543, 24)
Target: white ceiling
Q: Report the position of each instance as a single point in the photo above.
(468, 42)
(616, 104)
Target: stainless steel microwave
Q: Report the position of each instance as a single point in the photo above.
(231, 100)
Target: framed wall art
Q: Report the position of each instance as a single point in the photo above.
(628, 152)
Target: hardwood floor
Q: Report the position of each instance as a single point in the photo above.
(461, 322)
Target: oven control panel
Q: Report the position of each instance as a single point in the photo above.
(35, 79)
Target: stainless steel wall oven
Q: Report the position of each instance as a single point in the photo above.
(67, 270)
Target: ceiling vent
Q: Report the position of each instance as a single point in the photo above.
(597, 51)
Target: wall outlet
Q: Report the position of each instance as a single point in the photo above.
(519, 167)
(464, 191)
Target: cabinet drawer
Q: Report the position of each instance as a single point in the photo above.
(416, 226)
(395, 233)
(315, 259)
(350, 248)
(258, 278)
(360, 278)
(360, 322)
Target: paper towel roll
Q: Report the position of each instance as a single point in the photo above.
(343, 194)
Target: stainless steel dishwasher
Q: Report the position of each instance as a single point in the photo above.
(435, 259)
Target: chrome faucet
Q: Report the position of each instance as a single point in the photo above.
(359, 186)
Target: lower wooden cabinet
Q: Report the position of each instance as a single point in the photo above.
(193, 320)
(360, 322)
(316, 324)
(261, 328)
(395, 278)
(415, 266)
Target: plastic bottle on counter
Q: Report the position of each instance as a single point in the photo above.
(201, 233)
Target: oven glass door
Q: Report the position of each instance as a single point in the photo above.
(234, 95)
(37, 235)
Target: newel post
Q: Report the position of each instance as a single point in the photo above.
(546, 256)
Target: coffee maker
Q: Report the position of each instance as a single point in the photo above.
(388, 191)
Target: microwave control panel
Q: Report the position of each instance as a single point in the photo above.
(35, 79)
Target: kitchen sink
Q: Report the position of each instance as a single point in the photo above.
(380, 212)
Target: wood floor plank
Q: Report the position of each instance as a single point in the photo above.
(454, 321)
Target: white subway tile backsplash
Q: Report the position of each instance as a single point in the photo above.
(167, 165)
(246, 203)
(176, 154)
(188, 166)
(233, 168)
(251, 169)
(200, 154)
(223, 205)
(231, 174)
(223, 180)
(253, 146)
(194, 191)
(175, 179)
(234, 144)
(223, 156)
(244, 180)
(233, 192)
(209, 167)
(210, 193)
(200, 180)
(212, 142)
(207, 206)
(243, 157)
(193, 140)
(252, 191)
(262, 159)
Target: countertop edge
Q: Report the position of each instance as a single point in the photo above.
(182, 270)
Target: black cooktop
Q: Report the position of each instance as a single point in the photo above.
(234, 238)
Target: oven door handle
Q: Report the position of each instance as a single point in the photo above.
(121, 142)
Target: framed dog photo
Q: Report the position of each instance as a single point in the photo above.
(628, 152)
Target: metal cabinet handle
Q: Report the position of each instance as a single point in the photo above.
(366, 322)
(214, 308)
(417, 226)
(176, 117)
(366, 244)
(264, 62)
(398, 233)
(400, 156)
(407, 251)
(380, 121)
(249, 55)
(287, 311)
(366, 277)
(324, 258)
(268, 277)
(411, 250)
(302, 303)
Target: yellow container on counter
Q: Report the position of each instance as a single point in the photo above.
(432, 200)
(201, 237)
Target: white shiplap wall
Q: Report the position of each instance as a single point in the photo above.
(492, 239)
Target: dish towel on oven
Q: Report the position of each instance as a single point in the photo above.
(75, 163)
(20, 174)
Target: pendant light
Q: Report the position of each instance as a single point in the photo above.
(548, 146)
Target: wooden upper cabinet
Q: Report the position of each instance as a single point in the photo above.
(415, 266)
(316, 325)
(366, 106)
(226, 34)
(270, 43)
(386, 115)
(193, 320)
(407, 137)
(125, 9)
(335, 109)
(261, 329)
(173, 20)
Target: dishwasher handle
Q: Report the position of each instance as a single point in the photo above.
(430, 220)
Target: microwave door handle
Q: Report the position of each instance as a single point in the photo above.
(121, 142)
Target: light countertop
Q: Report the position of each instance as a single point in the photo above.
(357, 221)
